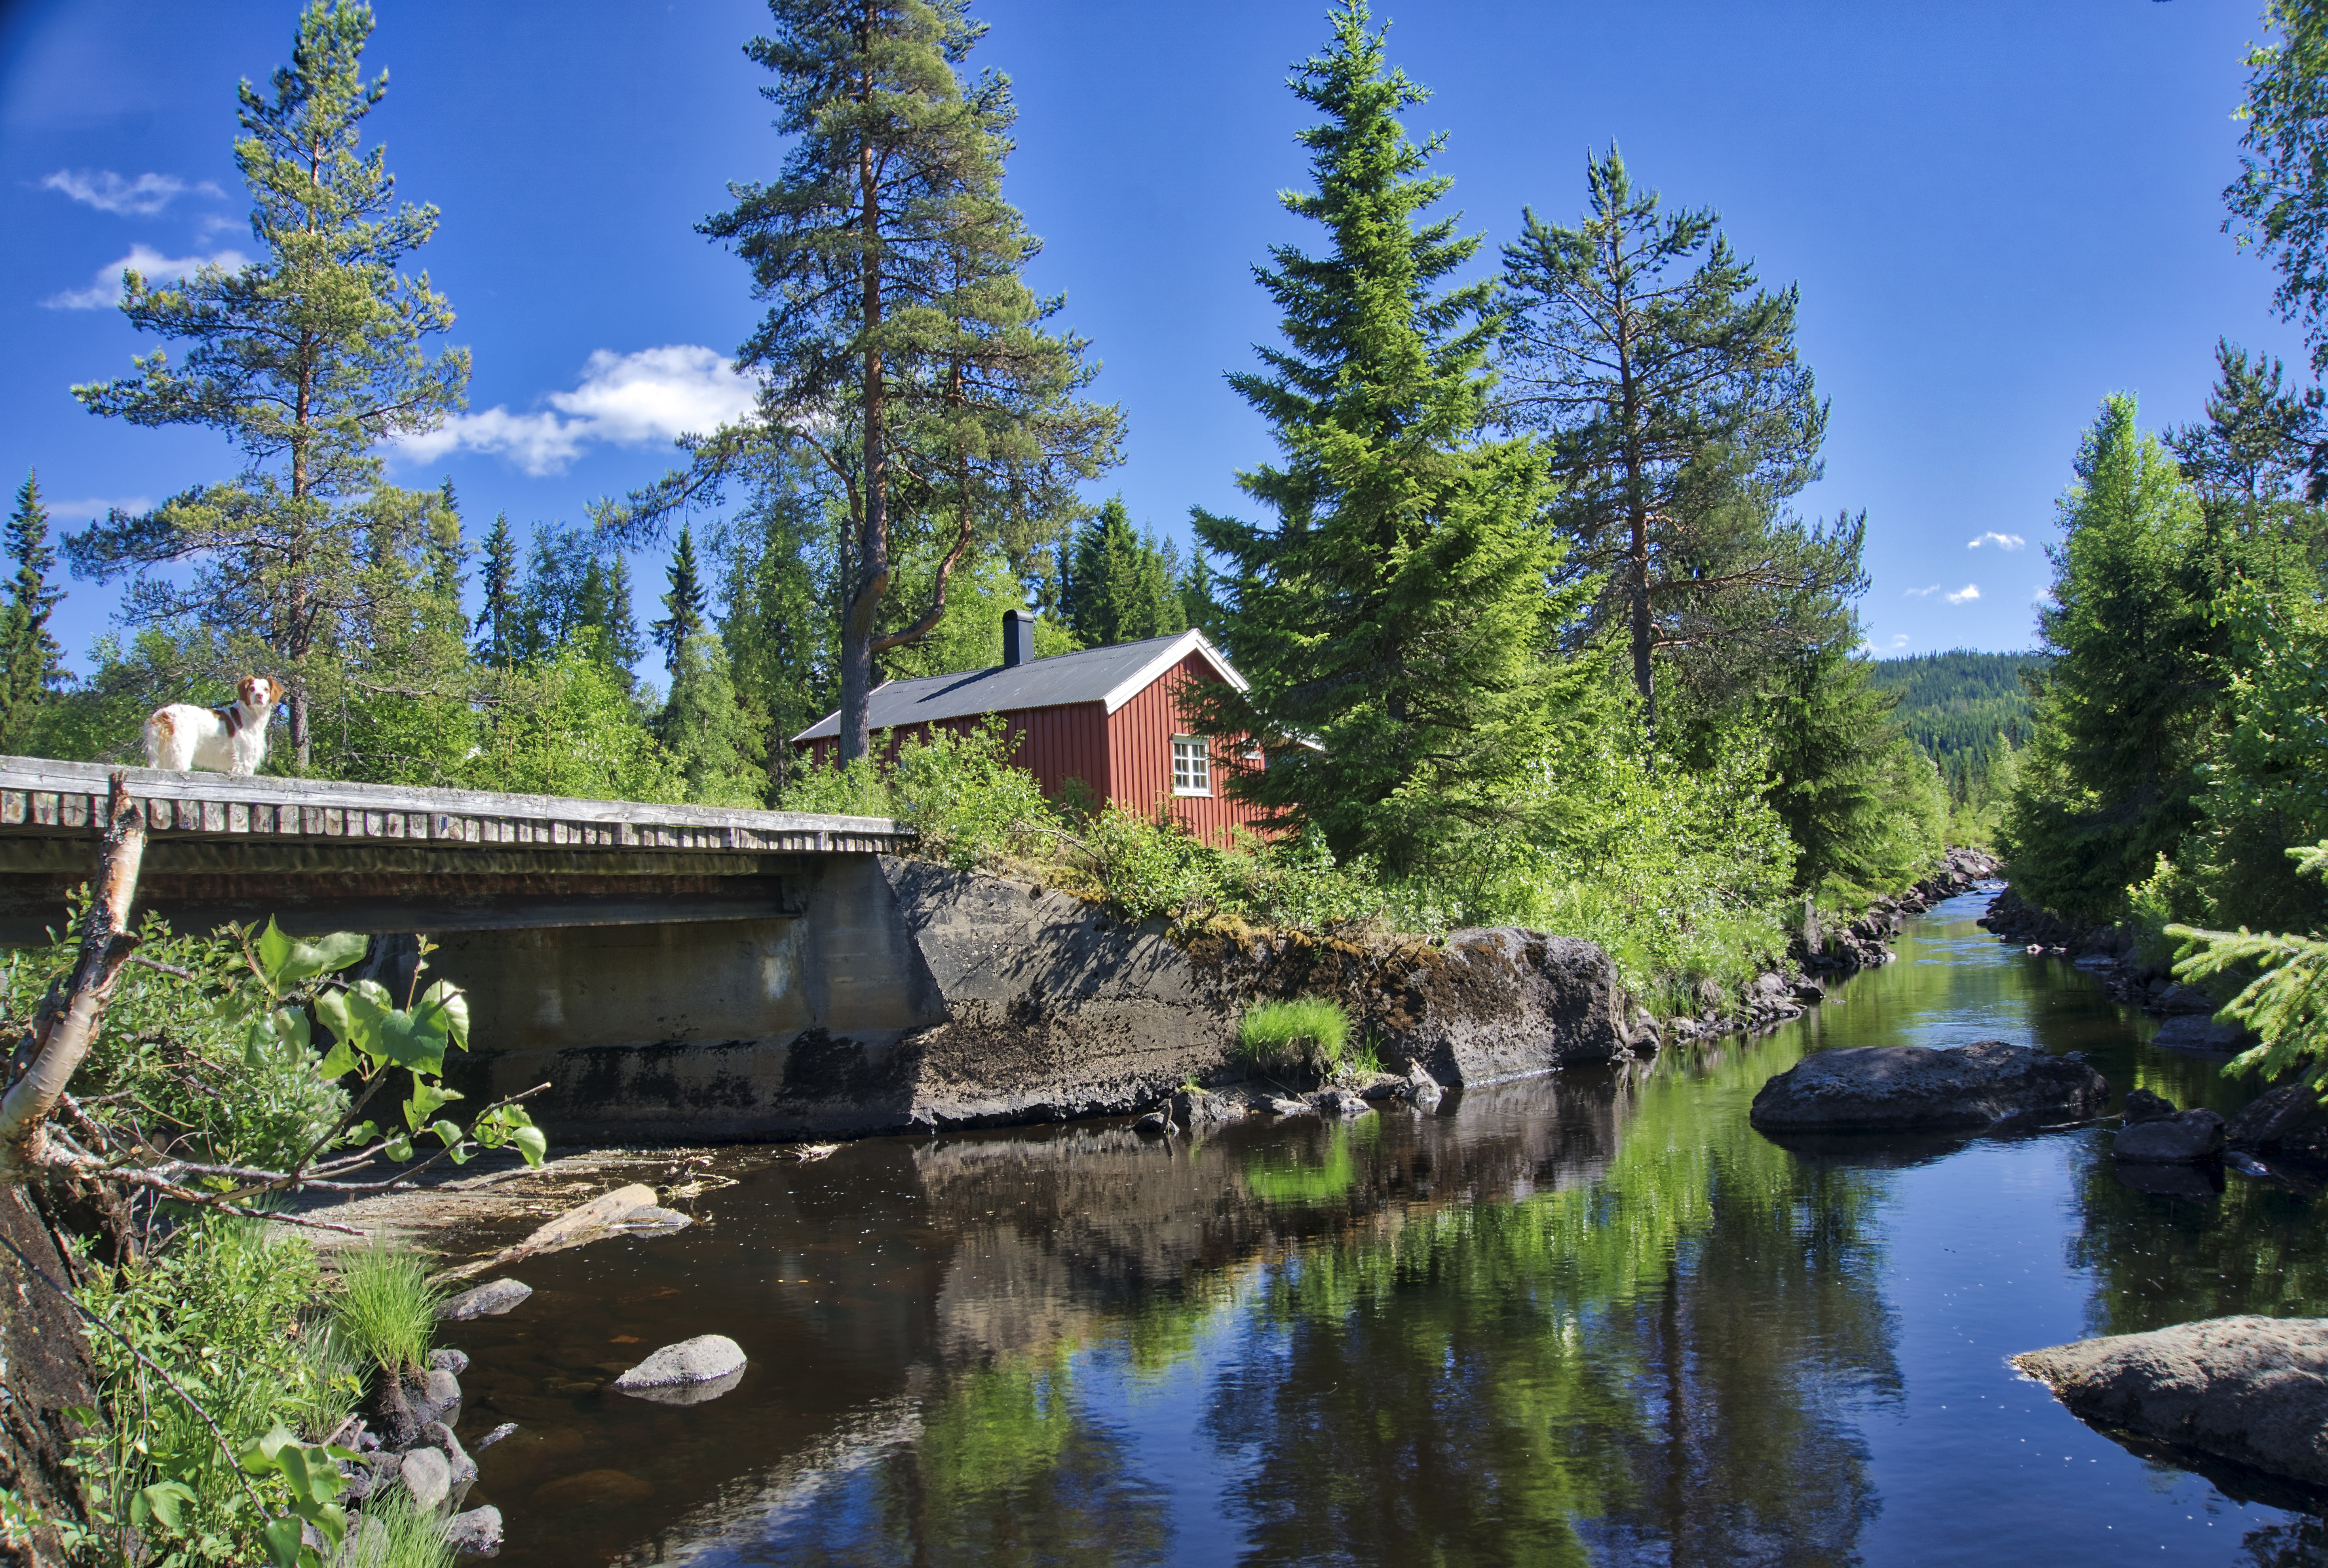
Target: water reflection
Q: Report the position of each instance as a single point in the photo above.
(1589, 1318)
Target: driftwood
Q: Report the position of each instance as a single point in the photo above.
(69, 1021)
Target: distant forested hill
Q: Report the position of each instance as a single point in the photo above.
(1957, 706)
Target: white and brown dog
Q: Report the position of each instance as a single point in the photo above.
(220, 739)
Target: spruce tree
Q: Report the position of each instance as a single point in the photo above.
(718, 747)
(499, 630)
(1395, 616)
(31, 660)
(1119, 586)
(682, 605)
(613, 614)
(1679, 421)
(306, 359)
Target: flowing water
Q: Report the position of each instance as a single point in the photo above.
(1593, 1318)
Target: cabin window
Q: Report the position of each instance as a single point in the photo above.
(1192, 766)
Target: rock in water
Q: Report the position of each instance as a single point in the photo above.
(2253, 1391)
(2183, 1139)
(428, 1475)
(1900, 1088)
(2197, 1032)
(1339, 1102)
(687, 1373)
(1155, 1124)
(487, 1300)
(2271, 1116)
(452, 1361)
(475, 1534)
(1195, 1109)
(2142, 1106)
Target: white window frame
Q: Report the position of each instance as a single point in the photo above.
(1192, 765)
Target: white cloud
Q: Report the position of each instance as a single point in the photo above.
(108, 191)
(1969, 591)
(92, 507)
(149, 264)
(2002, 541)
(1922, 592)
(1900, 641)
(644, 398)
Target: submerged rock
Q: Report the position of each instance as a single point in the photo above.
(687, 1373)
(2272, 1118)
(2197, 1032)
(1889, 1088)
(487, 1300)
(1155, 1124)
(2252, 1391)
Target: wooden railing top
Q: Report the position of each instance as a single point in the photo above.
(46, 798)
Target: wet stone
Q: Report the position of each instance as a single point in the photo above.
(428, 1475)
(706, 1358)
(486, 1301)
(475, 1534)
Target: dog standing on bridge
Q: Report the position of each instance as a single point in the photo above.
(233, 740)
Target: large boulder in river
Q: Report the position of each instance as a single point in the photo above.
(1906, 1088)
(687, 1372)
(2252, 1391)
(2154, 1133)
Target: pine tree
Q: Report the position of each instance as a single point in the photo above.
(2280, 202)
(1395, 618)
(499, 635)
(306, 359)
(1119, 586)
(1680, 420)
(31, 660)
(684, 605)
(612, 616)
(903, 348)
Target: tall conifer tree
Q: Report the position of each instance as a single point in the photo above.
(30, 656)
(499, 634)
(306, 359)
(1679, 418)
(1120, 585)
(1395, 617)
(682, 605)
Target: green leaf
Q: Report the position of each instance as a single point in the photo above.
(444, 999)
(338, 1062)
(413, 1040)
(531, 1144)
(399, 1147)
(288, 959)
(291, 1028)
(331, 1008)
(282, 1537)
(448, 1133)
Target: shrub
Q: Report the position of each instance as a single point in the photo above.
(225, 1311)
(386, 1310)
(1279, 1037)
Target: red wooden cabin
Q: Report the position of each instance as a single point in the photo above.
(1110, 717)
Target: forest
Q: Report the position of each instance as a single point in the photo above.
(1535, 627)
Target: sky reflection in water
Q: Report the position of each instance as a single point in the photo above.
(1590, 1319)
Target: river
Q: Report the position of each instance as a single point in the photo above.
(1592, 1317)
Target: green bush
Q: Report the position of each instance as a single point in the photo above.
(1283, 1037)
(386, 1309)
(226, 1311)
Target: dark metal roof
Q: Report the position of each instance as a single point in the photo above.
(1110, 675)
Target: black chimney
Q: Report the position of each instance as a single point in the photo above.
(1018, 637)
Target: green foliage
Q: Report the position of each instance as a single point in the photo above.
(1283, 1037)
(1680, 421)
(718, 748)
(2285, 1001)
(1120, 585)
(1395, 618)
(386, 1310)
(176, 1062)
(30, 657)
(683, 604)
(499, 636)
(304, 358)
(226, 1312)
(570, 726)
(1863, 807)
(397, 1533)
(2280, 202)
(1964, 709)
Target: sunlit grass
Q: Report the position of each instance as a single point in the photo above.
(386, 1311)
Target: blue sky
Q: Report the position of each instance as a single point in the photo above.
(1997, 211)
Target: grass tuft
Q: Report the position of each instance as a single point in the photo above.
(1282, 1035)
(395, 1532)
(386, 1311)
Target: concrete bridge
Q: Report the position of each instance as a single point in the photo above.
(589, 934)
